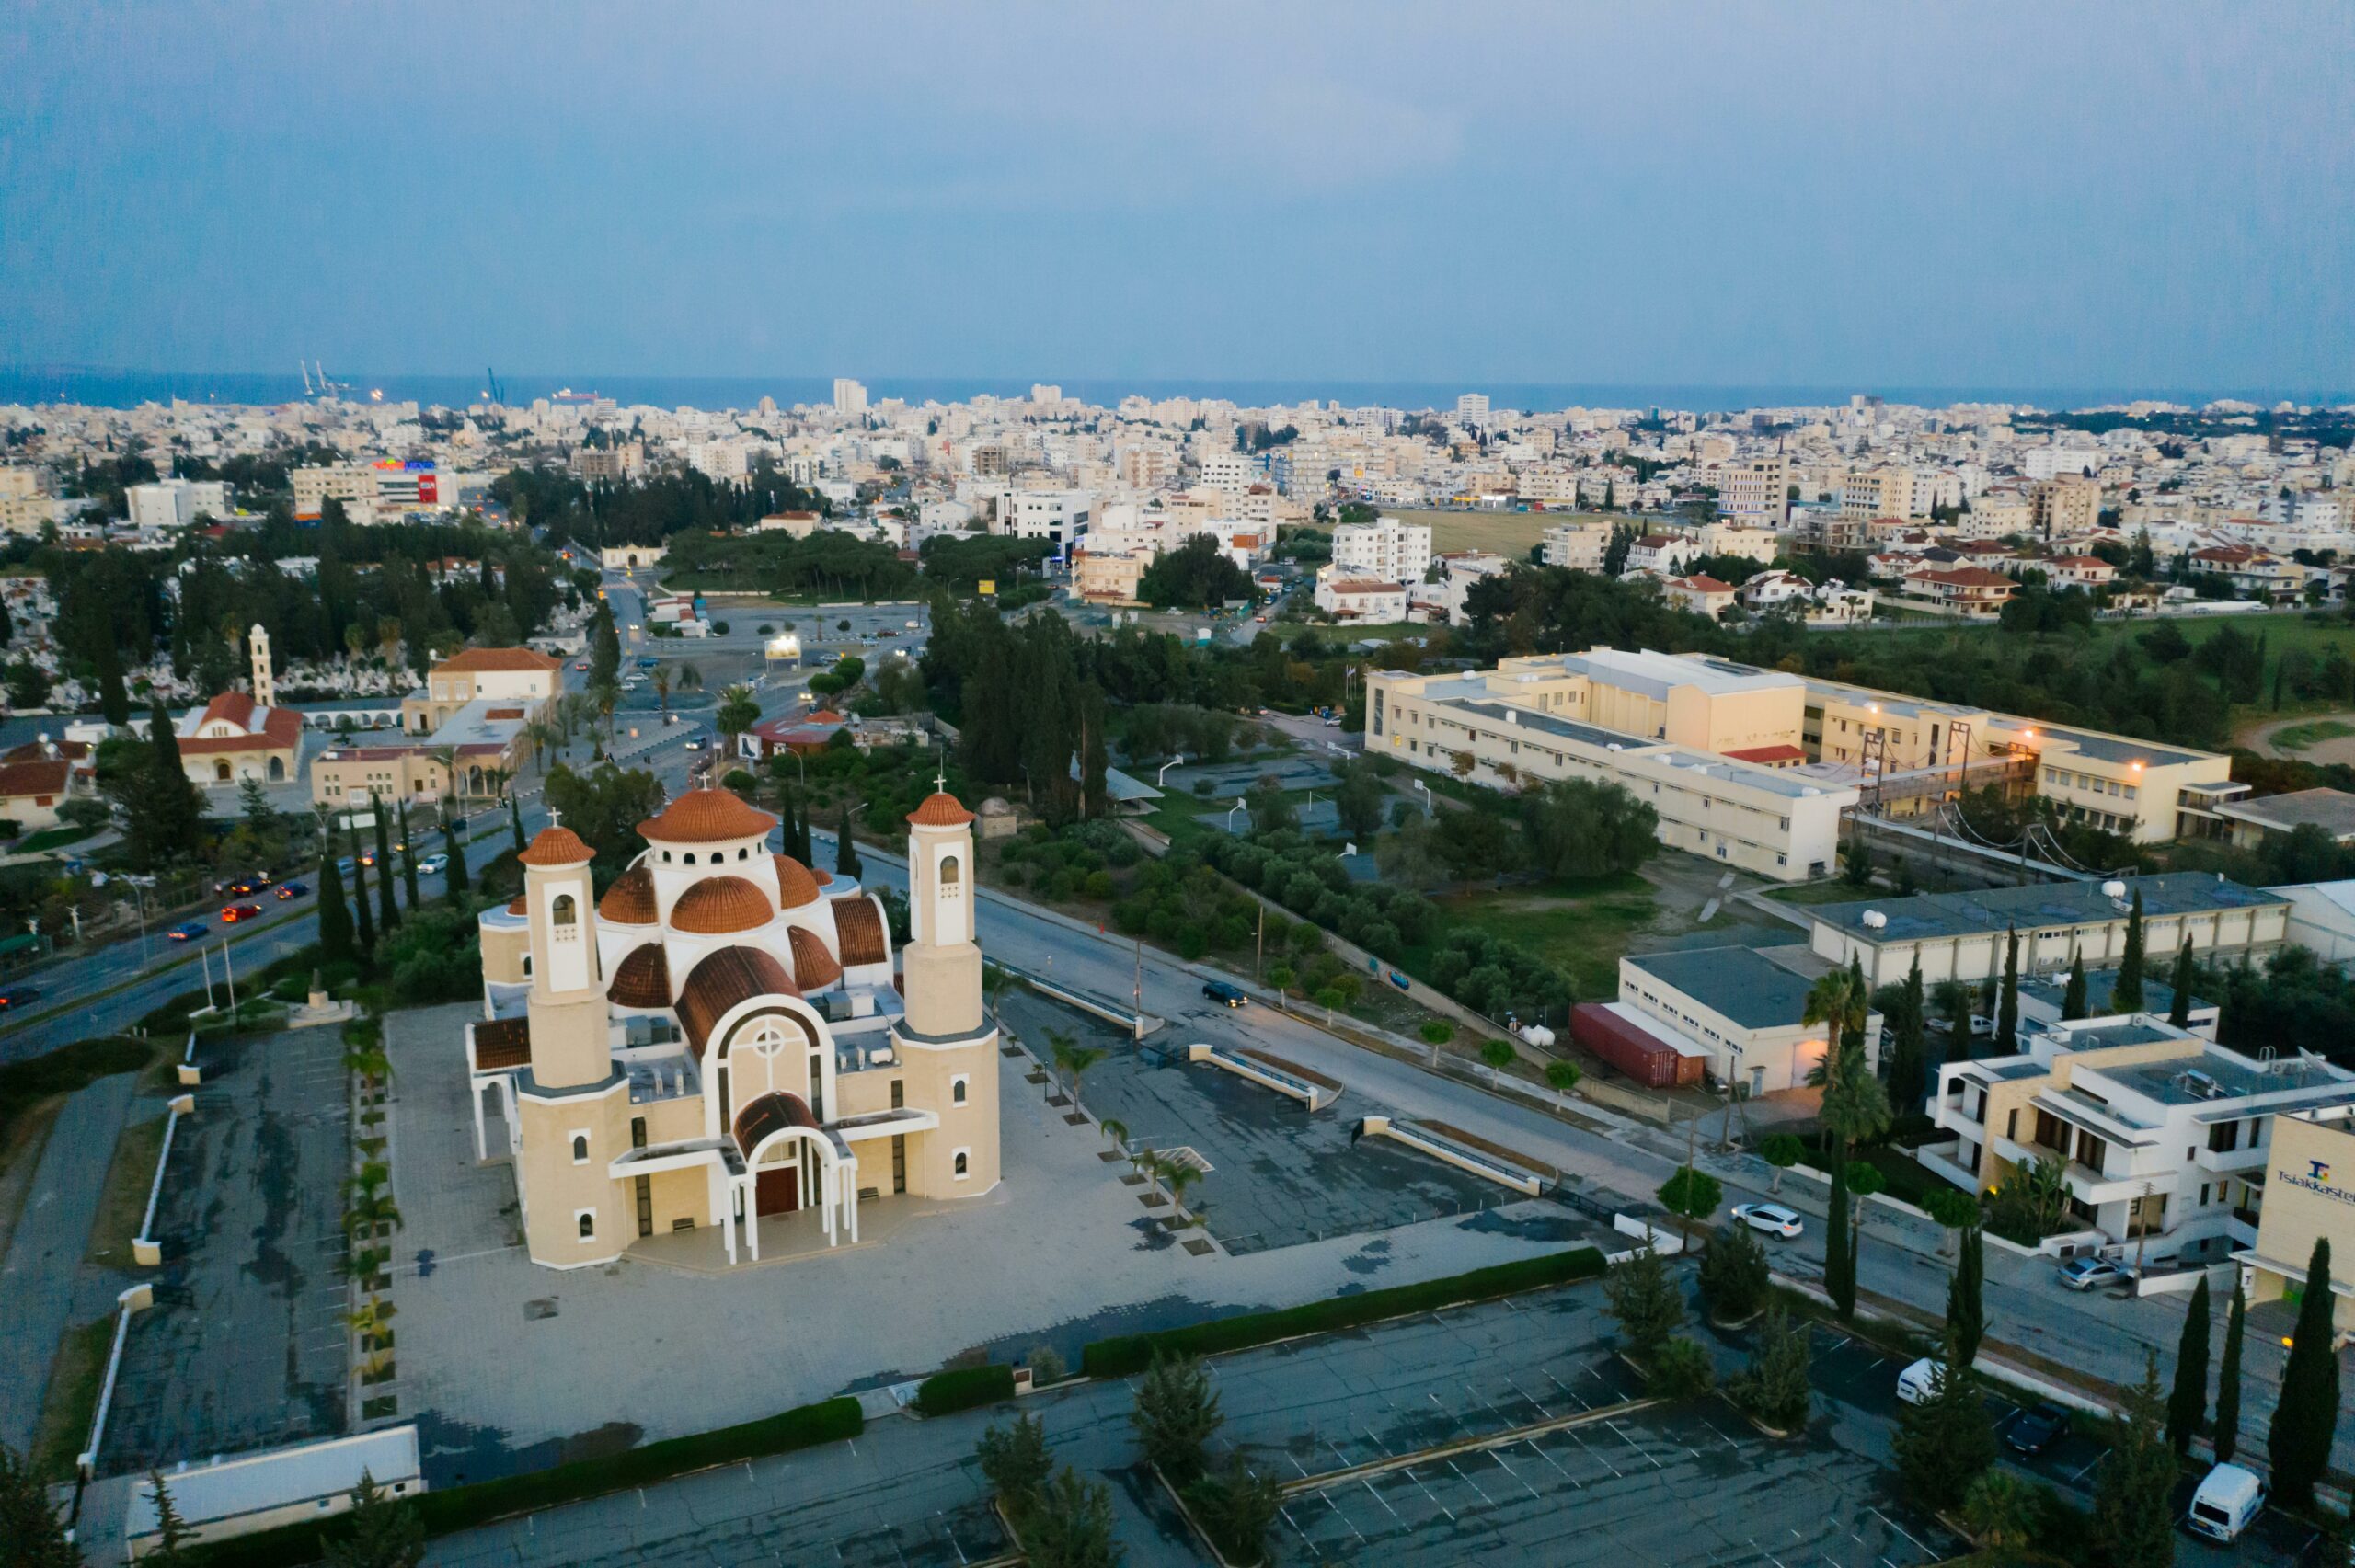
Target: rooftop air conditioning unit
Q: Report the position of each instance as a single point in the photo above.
(1874, 919)
(2199, 1083)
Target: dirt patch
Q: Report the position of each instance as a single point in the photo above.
(2308, 738)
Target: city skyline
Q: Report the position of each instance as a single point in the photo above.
(1848, 199)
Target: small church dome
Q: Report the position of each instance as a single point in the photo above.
(719, 905)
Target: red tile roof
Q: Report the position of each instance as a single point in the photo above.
(558, 846)
(707, 815)
(717, 906)
(488, 659)
(19, 780)
(940, 809)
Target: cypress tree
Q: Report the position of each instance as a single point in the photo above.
(166, 815)
(1908, 1052)
(515, 821)
(2127, 997)
(846, 848)
(34, 1534)
(1947, 1442)
(2187, 1398)
(2306, 1419)
(802, 850)
(1839, 1255)
(114, 701)
(335, 917)
(454, 884)
(1966, 1308)
(2228, 1378)
(388, 909)
(788, 807)
(2179, 1005)
(2073, 997)
(364, 923)
(409, 861)
(2007, 1003)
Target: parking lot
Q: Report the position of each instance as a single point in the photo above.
(1277, 1176)
(246, 1347)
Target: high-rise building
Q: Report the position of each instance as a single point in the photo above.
(1472, 406)
(850, 396)
(1757, 491)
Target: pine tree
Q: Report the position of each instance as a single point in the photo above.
(455, 883)
(515, 823)
(362, 922)
(2187, 1398)
(2133, 1526)
(409, 862)
(1945, 1443)
(172, 1530)
(845, 847)
(335, 916)
(388, 909)
(1176, 1413)
(384, 1532)
(2072, 996)
(2306, 1418)
(2126, 996)
(1965, 1306)
(2007, 1004)
(2227, 1426)
(30, 1530)
(2180, 1005)
(1839, 1256)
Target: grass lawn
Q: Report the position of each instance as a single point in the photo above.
(122, 1203)
(1830, 892)
(53, 838)
(1581, 931)
(74, 1374)
(2298, 736)
(1508, 533)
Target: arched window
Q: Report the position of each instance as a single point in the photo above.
(961, 1172)
(581, 1149)
(691, 857)
(527, 965)
(564, 912)
(949, 871)
(221, 773)
(743, 853)
(588, 1225)
(957, 1092)
(666, 857)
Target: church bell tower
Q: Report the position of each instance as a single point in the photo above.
(941, 965)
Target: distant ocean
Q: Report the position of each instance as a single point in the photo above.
(125, 389)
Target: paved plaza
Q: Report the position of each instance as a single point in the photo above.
(506, 1365)
(246, 1347)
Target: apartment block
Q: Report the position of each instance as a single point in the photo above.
(1385, 549)
(2064, 507)
(1756, 492)
(1577, 545)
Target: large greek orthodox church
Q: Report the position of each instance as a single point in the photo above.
(722, 1036)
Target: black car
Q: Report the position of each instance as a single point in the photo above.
(1225, 995)
(17, 996)
(2037, 1428)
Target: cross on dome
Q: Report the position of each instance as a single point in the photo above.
(556, 817)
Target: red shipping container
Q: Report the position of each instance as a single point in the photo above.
(1642, 1055)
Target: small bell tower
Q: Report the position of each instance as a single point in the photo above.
(941, 964)
(265, 684)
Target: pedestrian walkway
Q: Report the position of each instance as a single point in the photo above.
(37, 1283)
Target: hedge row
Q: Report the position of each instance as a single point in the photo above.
(464, 1507)
(963, 1389)
(1133, 1353)
(66, 1070)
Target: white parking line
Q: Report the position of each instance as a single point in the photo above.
(1409, 1473)
(1900, 1529)
(1377, 1496)
(1343, 1517)
(1632, 1444)
(2088, 1470)
(1472, 1483)
(1532, 1444)
(1525, 1393)
(1499, 1457)
(1614, 1469)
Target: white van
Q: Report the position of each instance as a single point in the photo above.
(2227, 1500)
(1918, 1384)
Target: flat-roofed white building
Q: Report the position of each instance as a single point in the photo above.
(1385, 549)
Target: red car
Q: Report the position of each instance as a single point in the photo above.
(237, 912)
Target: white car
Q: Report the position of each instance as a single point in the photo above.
(1771, 1218)
(433, 865)
(2085, 1274)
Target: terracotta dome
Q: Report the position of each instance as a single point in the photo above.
(717, 905)
(558, 846)
(642, 978)
(940, 809)
(518, 908)
(814, 969)
(825, 878)
(796, 884)
(706, 816)
(630, 900)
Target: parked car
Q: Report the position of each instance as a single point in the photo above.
(17, 996)
(237, 912)
(2037, 1428)
(2085, 1274)
(1918, 1384)
(189, 932)
(433, 865)
(2225, 1502)
(1771, 1218)
(290, 890)
(648, 663)
(1225, 995)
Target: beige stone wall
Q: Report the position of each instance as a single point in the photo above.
(504, 948)
(678, 1194)
(932, 1075)
(554, 1189)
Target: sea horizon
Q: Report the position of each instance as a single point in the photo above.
(108, 387)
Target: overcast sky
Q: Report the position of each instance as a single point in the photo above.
(2038, 195)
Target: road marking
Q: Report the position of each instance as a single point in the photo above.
(1410, 1475)
(1550, 1459)
(1344, 1517)
(1614, 1469)
(1367, 1482)
(1900, 1529)
(2088, 1470)
(1472, 1483)
(1531, 1399)
(1499, 1457)
(1632, 1444)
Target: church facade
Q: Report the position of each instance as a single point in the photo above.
(727, 1036)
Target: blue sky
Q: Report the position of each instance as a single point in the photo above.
(2046, 194)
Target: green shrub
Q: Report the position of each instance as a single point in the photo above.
(1128, 1354)
(66, 1070)
(964, 1388)
(1438, 1032)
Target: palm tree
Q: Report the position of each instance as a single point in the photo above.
(1855, 1103)
(446, 759)
(1116, 1131)
(1060, 1047)
(545, 736)
(1074, 1060)
(662, 689)
(1181, 1178)
(1154, 1167)
(739, 710)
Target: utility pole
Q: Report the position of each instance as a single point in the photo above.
(1140, 991)
(1259, 945)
